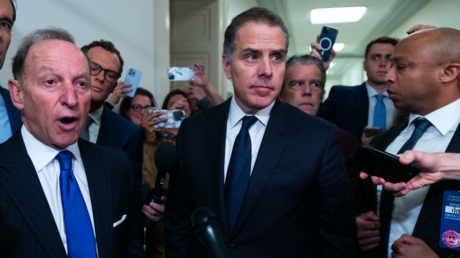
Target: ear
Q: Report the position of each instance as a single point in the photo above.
(227, 67)
(16, 94)
(450, 72)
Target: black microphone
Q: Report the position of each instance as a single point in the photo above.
(165, 160)
(3, 210)
(207, 228)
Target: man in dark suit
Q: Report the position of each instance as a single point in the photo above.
(423, 80)
(365, 105)
(103, 126)
(65, 196)
(277, 190)
(10, 116)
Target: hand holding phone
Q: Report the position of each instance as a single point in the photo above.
(174, 118)
(326, 42)
(181, 73)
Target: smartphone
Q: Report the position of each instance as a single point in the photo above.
(180, 74)
(372, 131)
(133, 77)
(175, 118)
(326, 41)
(382, 164)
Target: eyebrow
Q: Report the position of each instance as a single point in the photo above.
(252, 50)
(6, 18)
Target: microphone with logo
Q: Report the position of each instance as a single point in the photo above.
(165, 160)
(3, 210)
(207, 228)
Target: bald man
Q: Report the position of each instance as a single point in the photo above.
(423, 80)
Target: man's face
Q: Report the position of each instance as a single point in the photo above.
(412, 77)
(303, 88)
(377, 63)
(101, 88)
(6, 23)
(54, 93)
(257, 67)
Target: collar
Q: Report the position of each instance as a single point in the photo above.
(97, 115)
(236, 114)
(371, 92)
(444, 119)
(41, 154)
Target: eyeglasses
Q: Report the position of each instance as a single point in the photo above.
(138, 108)
(109, 75)
(168, 136)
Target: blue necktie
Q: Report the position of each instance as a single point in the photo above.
(387, 200)
(238, 171)
(380, 112)
(78, 228)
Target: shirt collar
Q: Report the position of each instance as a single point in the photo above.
(444, 119)
(371, 92)
(236, 114)
(97, 115)
(41, 154)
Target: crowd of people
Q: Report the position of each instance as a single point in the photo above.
(269, 161)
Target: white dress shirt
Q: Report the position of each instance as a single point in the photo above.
(256, 131)
(436, 139)
(389, 106)
(96, 125)
(48, 170)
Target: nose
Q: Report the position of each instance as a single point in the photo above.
(384, 62)
(390, 76)
(265, 68)
(306, 90)
(99, 77)
(69, 96)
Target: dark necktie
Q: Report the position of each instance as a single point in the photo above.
(380, 112)
(78, 228)
(387, 200)
(85, 134)
(238, 171)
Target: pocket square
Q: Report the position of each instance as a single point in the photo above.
(120, 221)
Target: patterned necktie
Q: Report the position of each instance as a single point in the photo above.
(78, 228)
(238, 171)
(85, 134)
(380, 112)
(387, 201)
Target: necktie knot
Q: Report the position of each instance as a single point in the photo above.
(65, 159)
(379, 97)
(248, 121)
(422, 124)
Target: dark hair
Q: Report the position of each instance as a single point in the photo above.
(306, 60)
(172, 94)
(14, 11)
(125, 104)
(257, 15)
(107, 45)
(32, 38)
(381, 40)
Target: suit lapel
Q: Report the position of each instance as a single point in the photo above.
(101, 196)
(433, 201)
(109, 129)
(272, 146)
(216, 130)
(20, 180)
(362, 99)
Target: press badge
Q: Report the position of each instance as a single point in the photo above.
(450, 221)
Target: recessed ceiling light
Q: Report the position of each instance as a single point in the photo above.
(337, 15)
(331, 64)
(338, 46)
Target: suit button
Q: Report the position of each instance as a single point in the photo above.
(231, 247)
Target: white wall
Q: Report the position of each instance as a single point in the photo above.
(130, 25)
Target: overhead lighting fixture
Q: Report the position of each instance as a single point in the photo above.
(338, 47)
(331, 64)
(337, 15)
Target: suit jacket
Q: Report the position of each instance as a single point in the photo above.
(429, 221)
(14, 114)
(29, 229)
(348, 108)
(298, 199)
(117, 131)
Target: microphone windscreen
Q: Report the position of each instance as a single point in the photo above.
(165, 157)
(202, 215)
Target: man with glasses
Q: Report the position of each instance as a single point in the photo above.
(103, 126)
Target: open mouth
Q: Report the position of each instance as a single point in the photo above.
(67, 120)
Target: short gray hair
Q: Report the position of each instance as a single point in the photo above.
(257, 15)
(307, 60)
(33, 38)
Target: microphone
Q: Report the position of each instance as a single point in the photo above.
(207, 228)
(3, 210)
(165, 160)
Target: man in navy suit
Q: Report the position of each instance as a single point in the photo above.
(103, 126)
(10, 116)
(365, 105)
(65, 196)
(273, 174)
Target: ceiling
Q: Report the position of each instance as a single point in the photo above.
(380, 19)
